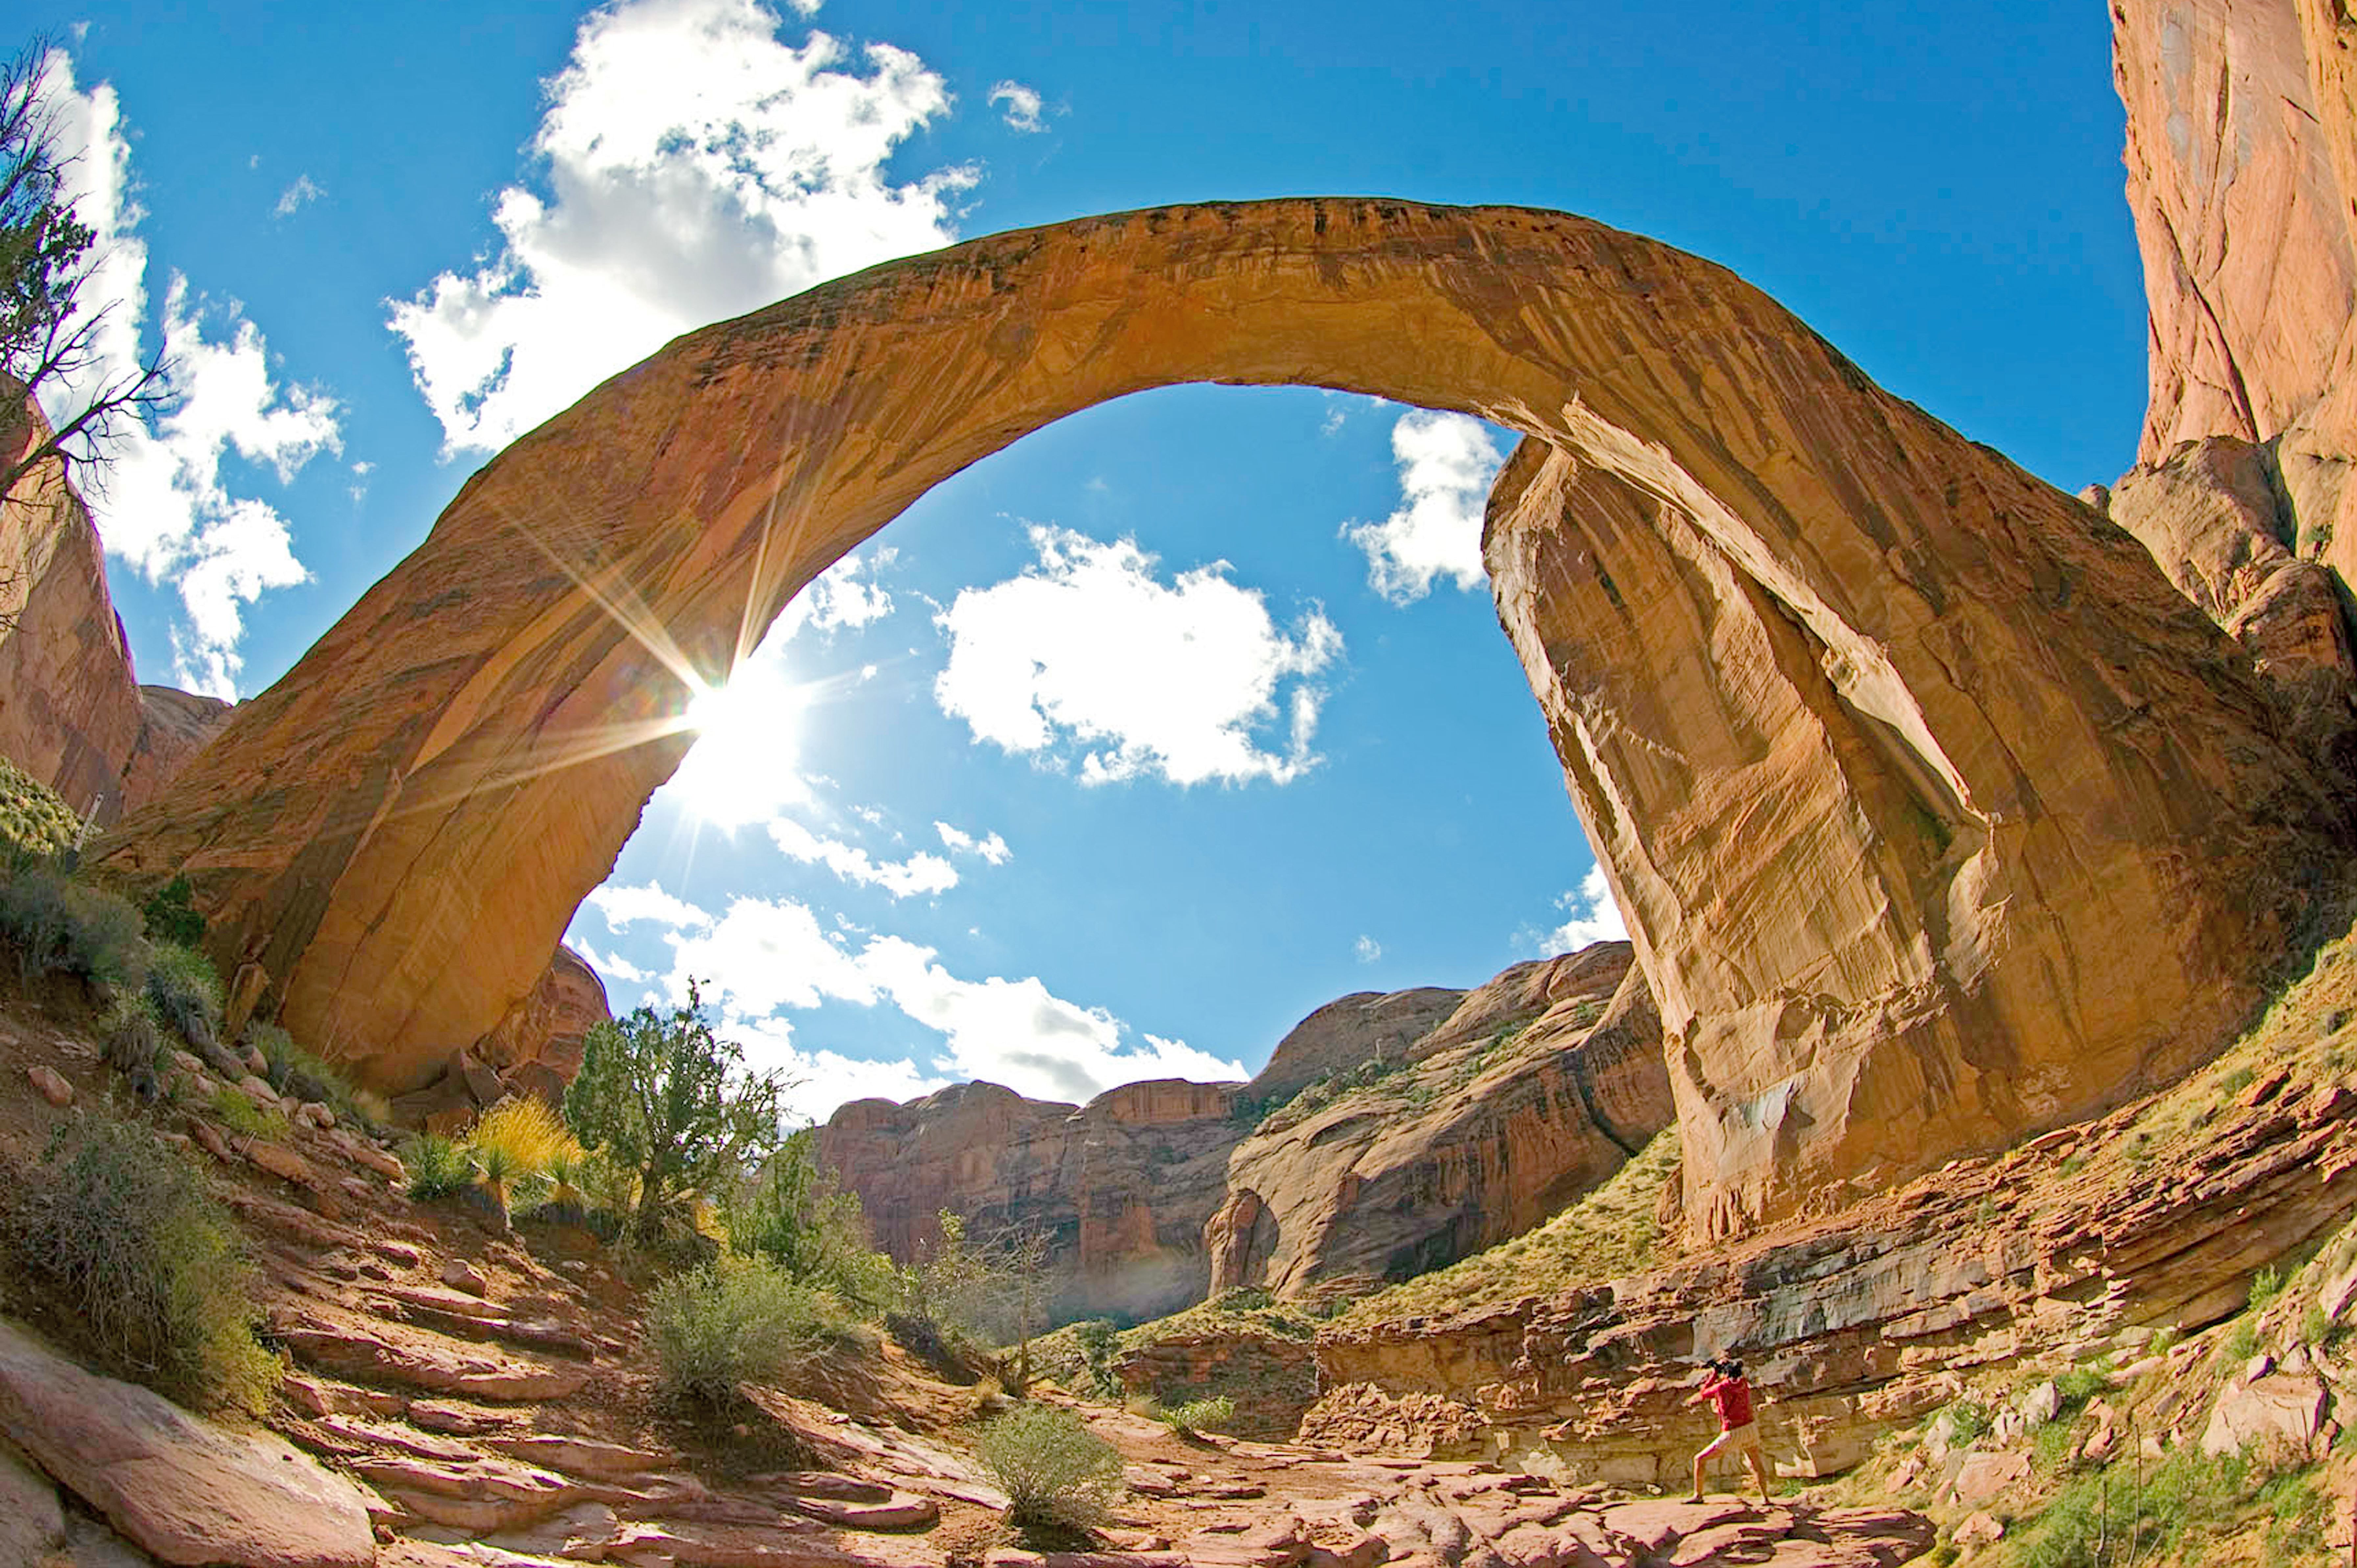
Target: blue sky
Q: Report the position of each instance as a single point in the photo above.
(1125, 749)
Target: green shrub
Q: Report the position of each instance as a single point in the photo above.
(58, 926)
(34, 819)
(2266, 1285)
(292, 1070)
(797, 1216)
(1968, 1421)
(186, 990)
(145, 1263)
(737, 1320)
(437, 1166)
(1054, 1470)
(171, 914)
(134, 1043)
(242, 1116)
(1199, 1416)
(2081, 1384)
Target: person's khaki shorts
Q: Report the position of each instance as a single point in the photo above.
(1737, 1438)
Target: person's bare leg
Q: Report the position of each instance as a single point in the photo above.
(1701, 1459)
(1753, 1461)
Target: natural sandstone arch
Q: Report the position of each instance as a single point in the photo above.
(395, 836)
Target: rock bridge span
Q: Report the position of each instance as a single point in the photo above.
(1936, 813)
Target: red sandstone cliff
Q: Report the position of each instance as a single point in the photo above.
(1388, 1134)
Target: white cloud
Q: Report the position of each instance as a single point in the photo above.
(160, 501)
(1172, 681)
(823, 1079)
(765, 954)
(1446, 462)
(1368, 949)
(1595, 918)
(625, 905)
(695, 168)
(1023, 105)
(764, 957)
(920, 872)
(610, 966)
(849, 595)
(1018, 1034)
(295, 195)
(992, 849)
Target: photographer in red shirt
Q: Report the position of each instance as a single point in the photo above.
(1724, 1387)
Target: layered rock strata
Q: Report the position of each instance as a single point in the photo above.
(1388, 1135)
(1533, 1089)
(1855, 1327)
(396, 833)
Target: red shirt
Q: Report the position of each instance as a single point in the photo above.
(1733, 1398)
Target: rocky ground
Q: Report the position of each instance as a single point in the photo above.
(456, 1393)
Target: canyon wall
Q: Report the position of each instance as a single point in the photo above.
(2242, 178)
(72, 713)
(1390, 1133)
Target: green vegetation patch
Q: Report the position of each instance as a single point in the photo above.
(144, 1263)
(738, 1320)
(1056, 1473)
(1611, 1232)
(34, 819)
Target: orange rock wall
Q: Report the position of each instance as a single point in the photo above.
(72, 713)
(396, 833)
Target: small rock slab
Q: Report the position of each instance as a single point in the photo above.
(31, 1522)
(52, 1085)
(899, 1510)
(2288, 1404)
(183, 1489)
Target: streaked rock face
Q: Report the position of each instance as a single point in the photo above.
(1499, 1106)
(72, 713)
(1532, 1090)
(396, 833)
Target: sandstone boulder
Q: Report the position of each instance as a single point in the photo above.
(184, 1490)
(2214, 516)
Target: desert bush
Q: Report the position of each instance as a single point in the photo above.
(737, 1320)
(534, 1136)
(1197, 1416)
(58, 926)
(667, 1099)
(34, 819)
(171, 914)
(796, 1216)
(145, 1263)
(2266, 1285)
(135, 1041)
(292, 1070)
(1054, 1470)
(243, 1117)
(437, 1166)
(186, 990)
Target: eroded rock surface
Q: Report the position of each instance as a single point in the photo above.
(72, 713)
(1476, 1115)
(184, 1490)
(1534, 1089)
(397, 832)
(1945, 824)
